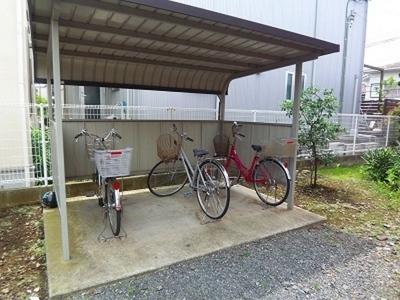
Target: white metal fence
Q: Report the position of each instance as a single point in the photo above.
(25, 158)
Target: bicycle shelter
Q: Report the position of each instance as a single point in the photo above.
(158, 45)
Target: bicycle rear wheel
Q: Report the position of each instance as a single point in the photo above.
(271, 181)
(212, 188)
(167, 178)
(114, 214)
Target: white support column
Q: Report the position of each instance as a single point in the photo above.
(49, 76)
(58, 129)
(295, 131)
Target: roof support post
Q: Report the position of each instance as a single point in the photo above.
(221, 114)
(57, 145)
(295, 131)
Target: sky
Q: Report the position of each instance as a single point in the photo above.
(383, 33)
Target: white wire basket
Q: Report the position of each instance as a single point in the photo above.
(113, 163)
(279, 147)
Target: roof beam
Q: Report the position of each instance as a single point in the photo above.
(277, 65)
(153, 37)
(136, 60)
(78, 42)
(126, 10)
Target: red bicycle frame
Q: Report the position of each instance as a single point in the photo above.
(244, 171)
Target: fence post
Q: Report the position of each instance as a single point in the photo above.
(387, 132)
(254, 116)
(43, 133)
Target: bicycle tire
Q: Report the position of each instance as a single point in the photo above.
(167, 178)
(96, 182)
(271, 181)
(214, 194)
(114, 215)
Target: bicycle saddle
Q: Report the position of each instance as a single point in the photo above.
(199, 152)
(256, 148)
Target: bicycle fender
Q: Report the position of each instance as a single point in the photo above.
(280, 163)
(222, 168)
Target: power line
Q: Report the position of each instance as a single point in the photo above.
(382, 42)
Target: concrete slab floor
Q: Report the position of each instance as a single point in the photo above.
(160, 232)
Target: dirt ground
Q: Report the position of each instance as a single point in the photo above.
(22, 258)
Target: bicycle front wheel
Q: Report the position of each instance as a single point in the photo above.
(114, 214)
(167, 178)
(213, 193)
(271, 181)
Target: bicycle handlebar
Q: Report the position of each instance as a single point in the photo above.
(182, 135)
(236, 128)
(95, 137)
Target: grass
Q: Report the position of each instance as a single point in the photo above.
(350, 201)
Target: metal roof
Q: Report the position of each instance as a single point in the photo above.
(162, 45)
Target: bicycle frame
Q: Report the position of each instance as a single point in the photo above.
(244, 171)
(192, 173)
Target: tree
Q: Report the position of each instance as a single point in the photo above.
(315, 127)
(389, 88)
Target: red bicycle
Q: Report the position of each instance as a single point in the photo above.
(269, 176)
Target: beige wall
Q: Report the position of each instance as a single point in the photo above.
(142, 136)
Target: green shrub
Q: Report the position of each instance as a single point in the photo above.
(37, 152)
(393, 177)
(383, 165)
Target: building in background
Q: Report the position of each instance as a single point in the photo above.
(342, 22)
(372, 78)
(16, 89)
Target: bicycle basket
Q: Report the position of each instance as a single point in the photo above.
(221, 145)
(168, 147)
(113, 163)
(279, 147)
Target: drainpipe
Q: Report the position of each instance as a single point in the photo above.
(349, 19)
(314, 62)
(21, 93)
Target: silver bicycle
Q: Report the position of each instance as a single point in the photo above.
(208, 179)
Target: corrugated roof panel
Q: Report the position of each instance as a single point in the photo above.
(90, 66)
(162, 45)
(77, 69)
(99, 75)
(109, 71)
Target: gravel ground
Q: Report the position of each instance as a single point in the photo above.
(318, 263)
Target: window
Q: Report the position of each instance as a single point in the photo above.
(289, 92)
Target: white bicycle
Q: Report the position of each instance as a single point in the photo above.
(110, 164)
(208, 179)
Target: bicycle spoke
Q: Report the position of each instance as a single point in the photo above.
(213, 190)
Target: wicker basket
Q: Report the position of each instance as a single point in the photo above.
(279, 147)
(167, 147)
(221, 145)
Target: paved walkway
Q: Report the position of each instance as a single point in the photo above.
(160, 232)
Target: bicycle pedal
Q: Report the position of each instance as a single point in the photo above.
(90, 194)
(188, 194)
